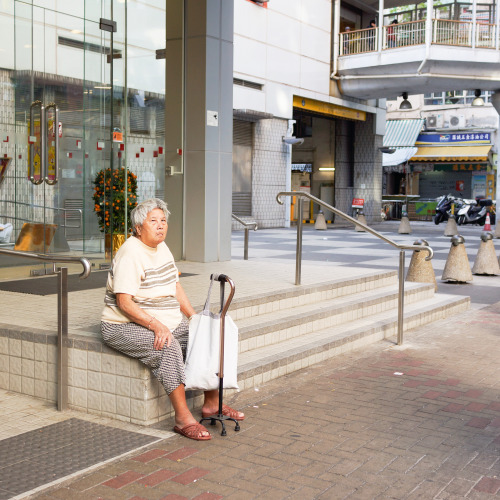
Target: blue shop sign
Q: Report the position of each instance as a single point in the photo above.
(455, 137)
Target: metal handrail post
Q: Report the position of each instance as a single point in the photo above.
(62, 339)
(298, 253)
(401, 295)
(245, 248)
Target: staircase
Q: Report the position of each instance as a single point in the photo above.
(284, 332)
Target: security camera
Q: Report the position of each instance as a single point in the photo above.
(293, 140)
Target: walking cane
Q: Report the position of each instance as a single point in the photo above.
(222, 278)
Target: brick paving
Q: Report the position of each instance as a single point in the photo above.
(418, 421)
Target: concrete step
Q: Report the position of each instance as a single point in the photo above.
(277, 326)
(271, 302)
(268, 362)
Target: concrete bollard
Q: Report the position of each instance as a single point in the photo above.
(361, 217)
(404, 225)
(451, 227)
(486, 259)
(457, 267)
(320, 221)
(421, 270)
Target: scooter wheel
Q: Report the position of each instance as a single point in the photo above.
(437, 219)
(460, 220)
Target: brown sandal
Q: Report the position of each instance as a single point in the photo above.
(226, 411)
(193, 431)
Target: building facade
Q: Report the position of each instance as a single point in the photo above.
(197, 98)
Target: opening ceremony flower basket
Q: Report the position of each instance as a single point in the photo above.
(115, 196)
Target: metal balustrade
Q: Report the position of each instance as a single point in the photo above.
(298, 254)
(62, 313)
(444, 32)
(247, 226)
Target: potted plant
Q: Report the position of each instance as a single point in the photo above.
(115, 195)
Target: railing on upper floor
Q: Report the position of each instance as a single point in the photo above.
(298, 257)
(247, 226)
(444, 32)
(62, 313)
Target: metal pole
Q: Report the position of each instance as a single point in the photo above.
(62, 338)
(401, 295)
(298, 258)
(245, 250)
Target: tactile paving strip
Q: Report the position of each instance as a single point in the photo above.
(39, 457)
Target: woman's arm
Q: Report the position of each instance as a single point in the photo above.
(141, 317)
(186, 307)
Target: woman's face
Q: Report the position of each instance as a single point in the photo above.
(154, 228)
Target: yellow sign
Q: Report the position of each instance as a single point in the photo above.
(325, 108)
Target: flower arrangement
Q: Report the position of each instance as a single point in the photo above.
(109, 198)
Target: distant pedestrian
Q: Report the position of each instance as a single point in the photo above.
(346, 37)
(370, 34)
(391, 34)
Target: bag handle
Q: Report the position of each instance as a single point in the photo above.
(206, 307)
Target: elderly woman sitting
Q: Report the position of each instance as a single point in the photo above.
(143, 311)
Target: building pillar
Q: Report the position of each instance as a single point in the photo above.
(270, 167)
(368, 167)
(344, 166)
(199, 121)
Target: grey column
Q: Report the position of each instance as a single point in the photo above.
(199, 120)
(368, 167)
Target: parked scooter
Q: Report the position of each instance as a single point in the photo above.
(443, 207)
(474, 212)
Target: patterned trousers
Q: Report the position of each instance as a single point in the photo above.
(137, 342)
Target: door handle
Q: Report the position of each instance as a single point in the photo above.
(41, 156)
(55, 159)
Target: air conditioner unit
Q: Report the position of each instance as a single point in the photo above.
(434, 121)
(457, 121)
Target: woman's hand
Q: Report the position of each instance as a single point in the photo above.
(162, 335)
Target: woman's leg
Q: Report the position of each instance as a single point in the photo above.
(211, 406)
(183, 416)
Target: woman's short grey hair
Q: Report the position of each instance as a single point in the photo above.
(141, 211)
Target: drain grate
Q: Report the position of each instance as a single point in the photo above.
(39, 457)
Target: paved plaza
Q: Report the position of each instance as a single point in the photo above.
(421, 420)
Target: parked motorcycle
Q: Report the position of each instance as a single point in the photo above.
(475, 211)
(443, 207)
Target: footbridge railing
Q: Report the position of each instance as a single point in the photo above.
(298, 258)
(62, 312)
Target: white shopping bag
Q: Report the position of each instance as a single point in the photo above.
(203, 351)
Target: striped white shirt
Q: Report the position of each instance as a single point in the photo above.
(150, 276)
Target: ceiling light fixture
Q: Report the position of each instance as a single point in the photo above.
(478, 101)
(405, 104)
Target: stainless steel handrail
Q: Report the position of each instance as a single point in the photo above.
(63, 210)
(62, 314)
(368, 229)
(248, 226)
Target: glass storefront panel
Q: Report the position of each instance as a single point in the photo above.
(77, 102)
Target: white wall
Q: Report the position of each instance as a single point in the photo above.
(287, 48)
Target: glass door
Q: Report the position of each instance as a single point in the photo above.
(56, 121)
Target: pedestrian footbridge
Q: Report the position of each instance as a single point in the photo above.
(428, 55)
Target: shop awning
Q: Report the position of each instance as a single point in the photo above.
(402, 133)
(400, 155)
(452, 153)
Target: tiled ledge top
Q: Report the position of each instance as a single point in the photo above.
(38, 336)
